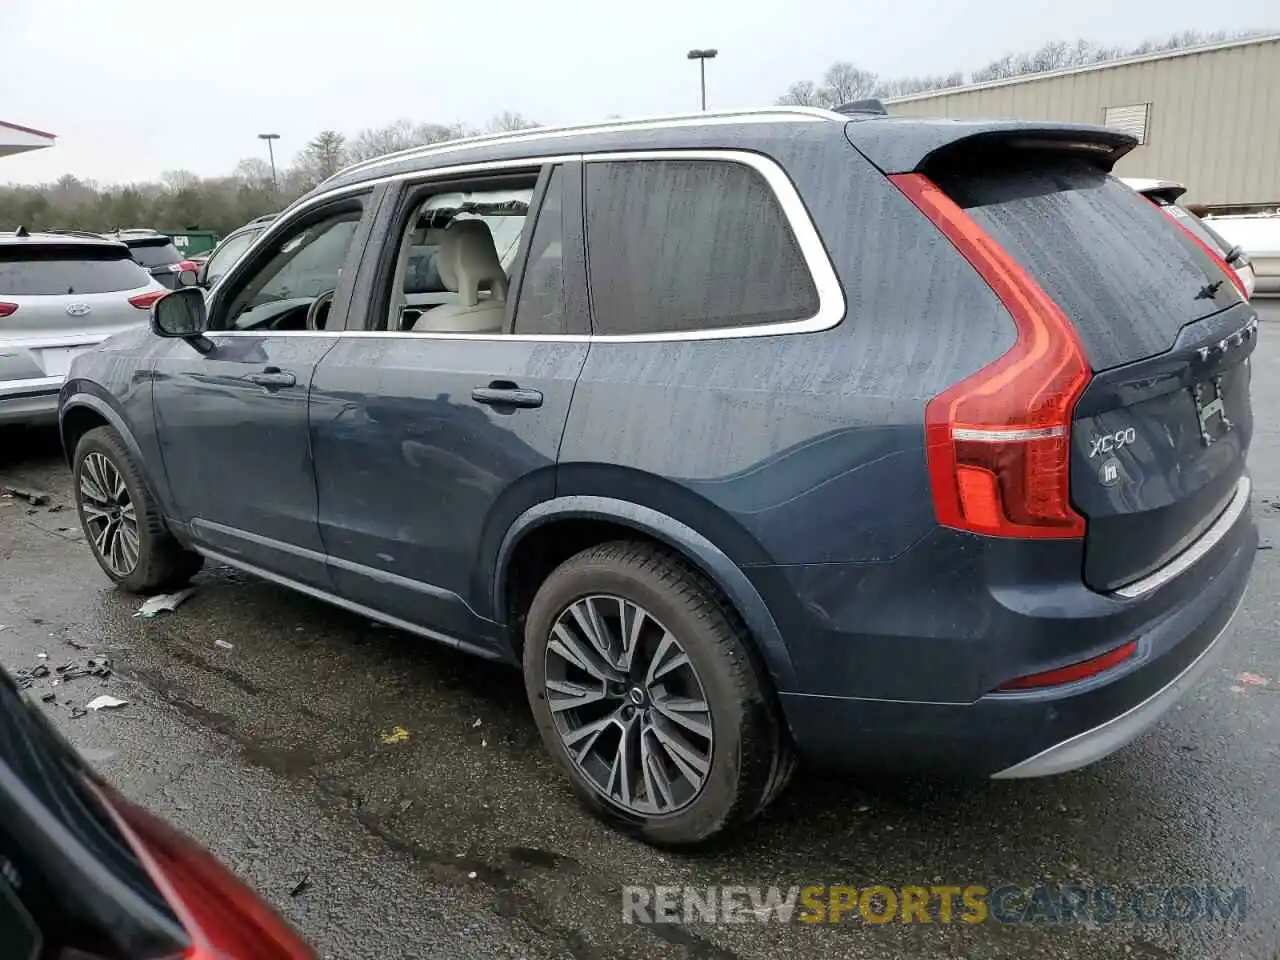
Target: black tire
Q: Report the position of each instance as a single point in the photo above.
(162, 563)
(752, 757)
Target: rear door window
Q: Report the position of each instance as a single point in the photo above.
(1127, 277)
(155, 254)
(57, 270)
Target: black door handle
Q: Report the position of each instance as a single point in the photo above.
(504, 393)
(272, 378)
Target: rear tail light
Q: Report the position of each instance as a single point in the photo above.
(1216, 257)
(143, 301)
(8, 309)
(184, 265)
(222, 917)
(998, 443)
(1076, 671)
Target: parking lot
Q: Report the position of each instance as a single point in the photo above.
(392, 798)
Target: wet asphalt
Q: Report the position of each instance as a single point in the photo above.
(458, 839)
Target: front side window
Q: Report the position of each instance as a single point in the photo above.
(683, 245)
(300, 266)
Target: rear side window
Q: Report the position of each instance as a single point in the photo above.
(1118, 266)
(35, 271)
(682, 245)
(155, 254)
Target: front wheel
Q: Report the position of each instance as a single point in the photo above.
(645, 691)
(122, 521)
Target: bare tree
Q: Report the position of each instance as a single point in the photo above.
(844, 82)
(323, 156)
(509, 120)
(806, 93)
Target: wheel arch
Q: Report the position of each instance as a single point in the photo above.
(82, 412)
(611, 515)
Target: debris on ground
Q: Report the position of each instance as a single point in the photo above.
(405, 805)
(105, 702)
(223, 645)
(76, 644)
(49, 698)
(34, 497)
(1253, 679)
(476, 724)
(395, 735)
(78, 712)
(95, 667)
(303, 882)
(42, 656)
(163, 602)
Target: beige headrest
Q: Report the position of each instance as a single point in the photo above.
(468, 260)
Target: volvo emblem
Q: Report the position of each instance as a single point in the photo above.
(78, 309)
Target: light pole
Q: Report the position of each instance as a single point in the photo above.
(702, 56)
(272, 154)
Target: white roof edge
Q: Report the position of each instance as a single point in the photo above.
(1087, 68)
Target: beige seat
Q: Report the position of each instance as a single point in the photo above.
(467, 261)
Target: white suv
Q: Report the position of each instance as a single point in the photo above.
(60, 294)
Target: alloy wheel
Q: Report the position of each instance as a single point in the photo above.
(109, 513)
(629, 705)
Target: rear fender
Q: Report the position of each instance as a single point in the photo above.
(700, 551)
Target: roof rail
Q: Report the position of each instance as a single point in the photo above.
(597, 126)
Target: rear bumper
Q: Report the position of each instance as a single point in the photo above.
(30, 401)
(1180, 628)
(1097, 742)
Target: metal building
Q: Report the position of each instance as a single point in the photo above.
(1208, 116)
(16, 139)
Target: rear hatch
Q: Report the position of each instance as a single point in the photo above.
(160, 257)
(1159, 435)
(57, 299)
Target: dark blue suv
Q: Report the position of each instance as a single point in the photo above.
(885, 442)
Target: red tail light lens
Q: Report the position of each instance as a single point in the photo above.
(187, 265)
(143, 301)
(1215, 256)
(8, 309)
(1076, 671)
(222, 917)
(998, 443)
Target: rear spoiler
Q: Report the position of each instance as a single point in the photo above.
(908, 145)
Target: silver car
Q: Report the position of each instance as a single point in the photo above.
(60, 294)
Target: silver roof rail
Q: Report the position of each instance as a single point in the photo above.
(746, 115)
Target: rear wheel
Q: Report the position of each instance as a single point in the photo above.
(122, 521)
(644, 688)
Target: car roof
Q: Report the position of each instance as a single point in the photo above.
(677, 130)
(49, 238)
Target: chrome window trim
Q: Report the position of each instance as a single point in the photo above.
(831, 300)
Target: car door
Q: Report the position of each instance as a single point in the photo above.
(429, 444)
(231, 419)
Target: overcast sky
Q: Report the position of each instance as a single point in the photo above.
(189, 85)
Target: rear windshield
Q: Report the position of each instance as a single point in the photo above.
(52, 270)
(157, 254)
(1119, 267)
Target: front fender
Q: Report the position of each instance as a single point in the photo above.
(76, 395)
(704, 554)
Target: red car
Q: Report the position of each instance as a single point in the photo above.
(87, 875)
